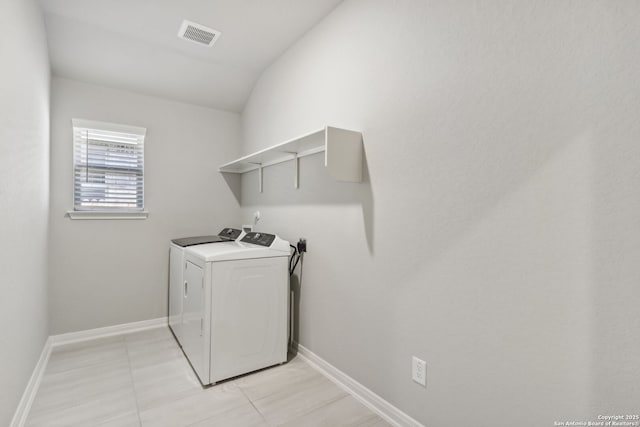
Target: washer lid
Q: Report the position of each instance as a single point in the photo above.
(226, 235)
(198, 240)
(227, 251)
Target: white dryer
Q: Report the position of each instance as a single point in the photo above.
(236, 307)
(176, 271)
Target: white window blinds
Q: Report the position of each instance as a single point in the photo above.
(108, 167)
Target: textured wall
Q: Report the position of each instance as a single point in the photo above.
(24, 197)
(108, 272)
(496, 234)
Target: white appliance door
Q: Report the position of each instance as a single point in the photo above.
(176, 289)
(249, 315)
(193, 334)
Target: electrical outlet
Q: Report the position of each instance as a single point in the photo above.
(419, 371)
(302, 245)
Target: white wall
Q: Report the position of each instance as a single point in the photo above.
(24, 197)
(110, 272)
(497, 232)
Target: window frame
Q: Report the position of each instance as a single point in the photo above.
(102, 212)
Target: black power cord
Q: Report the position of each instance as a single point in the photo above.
(294, 255)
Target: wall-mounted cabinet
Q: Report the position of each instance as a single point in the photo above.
(342, 149)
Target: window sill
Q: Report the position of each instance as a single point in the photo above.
(107, 215)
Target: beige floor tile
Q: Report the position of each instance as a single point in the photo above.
(164, 382)
(344, 412)
(298, 399)
(129, 419)
(378, 422)
(148, 335)
(143, 353)
(242, 416)
(76, 386)
(90, 412)
(160, 370)
(278, 378)
(78, 355)
(183, 412)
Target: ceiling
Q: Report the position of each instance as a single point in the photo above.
(133, 44)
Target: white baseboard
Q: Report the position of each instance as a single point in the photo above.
(22, 411)
(377, 404)
(91, 334)
(20, 416)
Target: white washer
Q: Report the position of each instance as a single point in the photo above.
(235, 313)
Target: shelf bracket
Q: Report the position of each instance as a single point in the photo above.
(259, 175)
(296, 162)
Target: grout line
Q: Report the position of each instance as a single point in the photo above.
(311, 410)
(373, 418)
(254, 406)
(59, 351)
(208, 417)
(133, 381)
(306, 387)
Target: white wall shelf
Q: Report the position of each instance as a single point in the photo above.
(342, 154)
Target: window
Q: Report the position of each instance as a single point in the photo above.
(108, 167)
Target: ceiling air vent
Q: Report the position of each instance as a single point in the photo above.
(197, 33)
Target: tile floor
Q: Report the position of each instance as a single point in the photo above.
(142, 379)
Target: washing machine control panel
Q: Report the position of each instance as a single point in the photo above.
(230, 233)
(262, 239)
